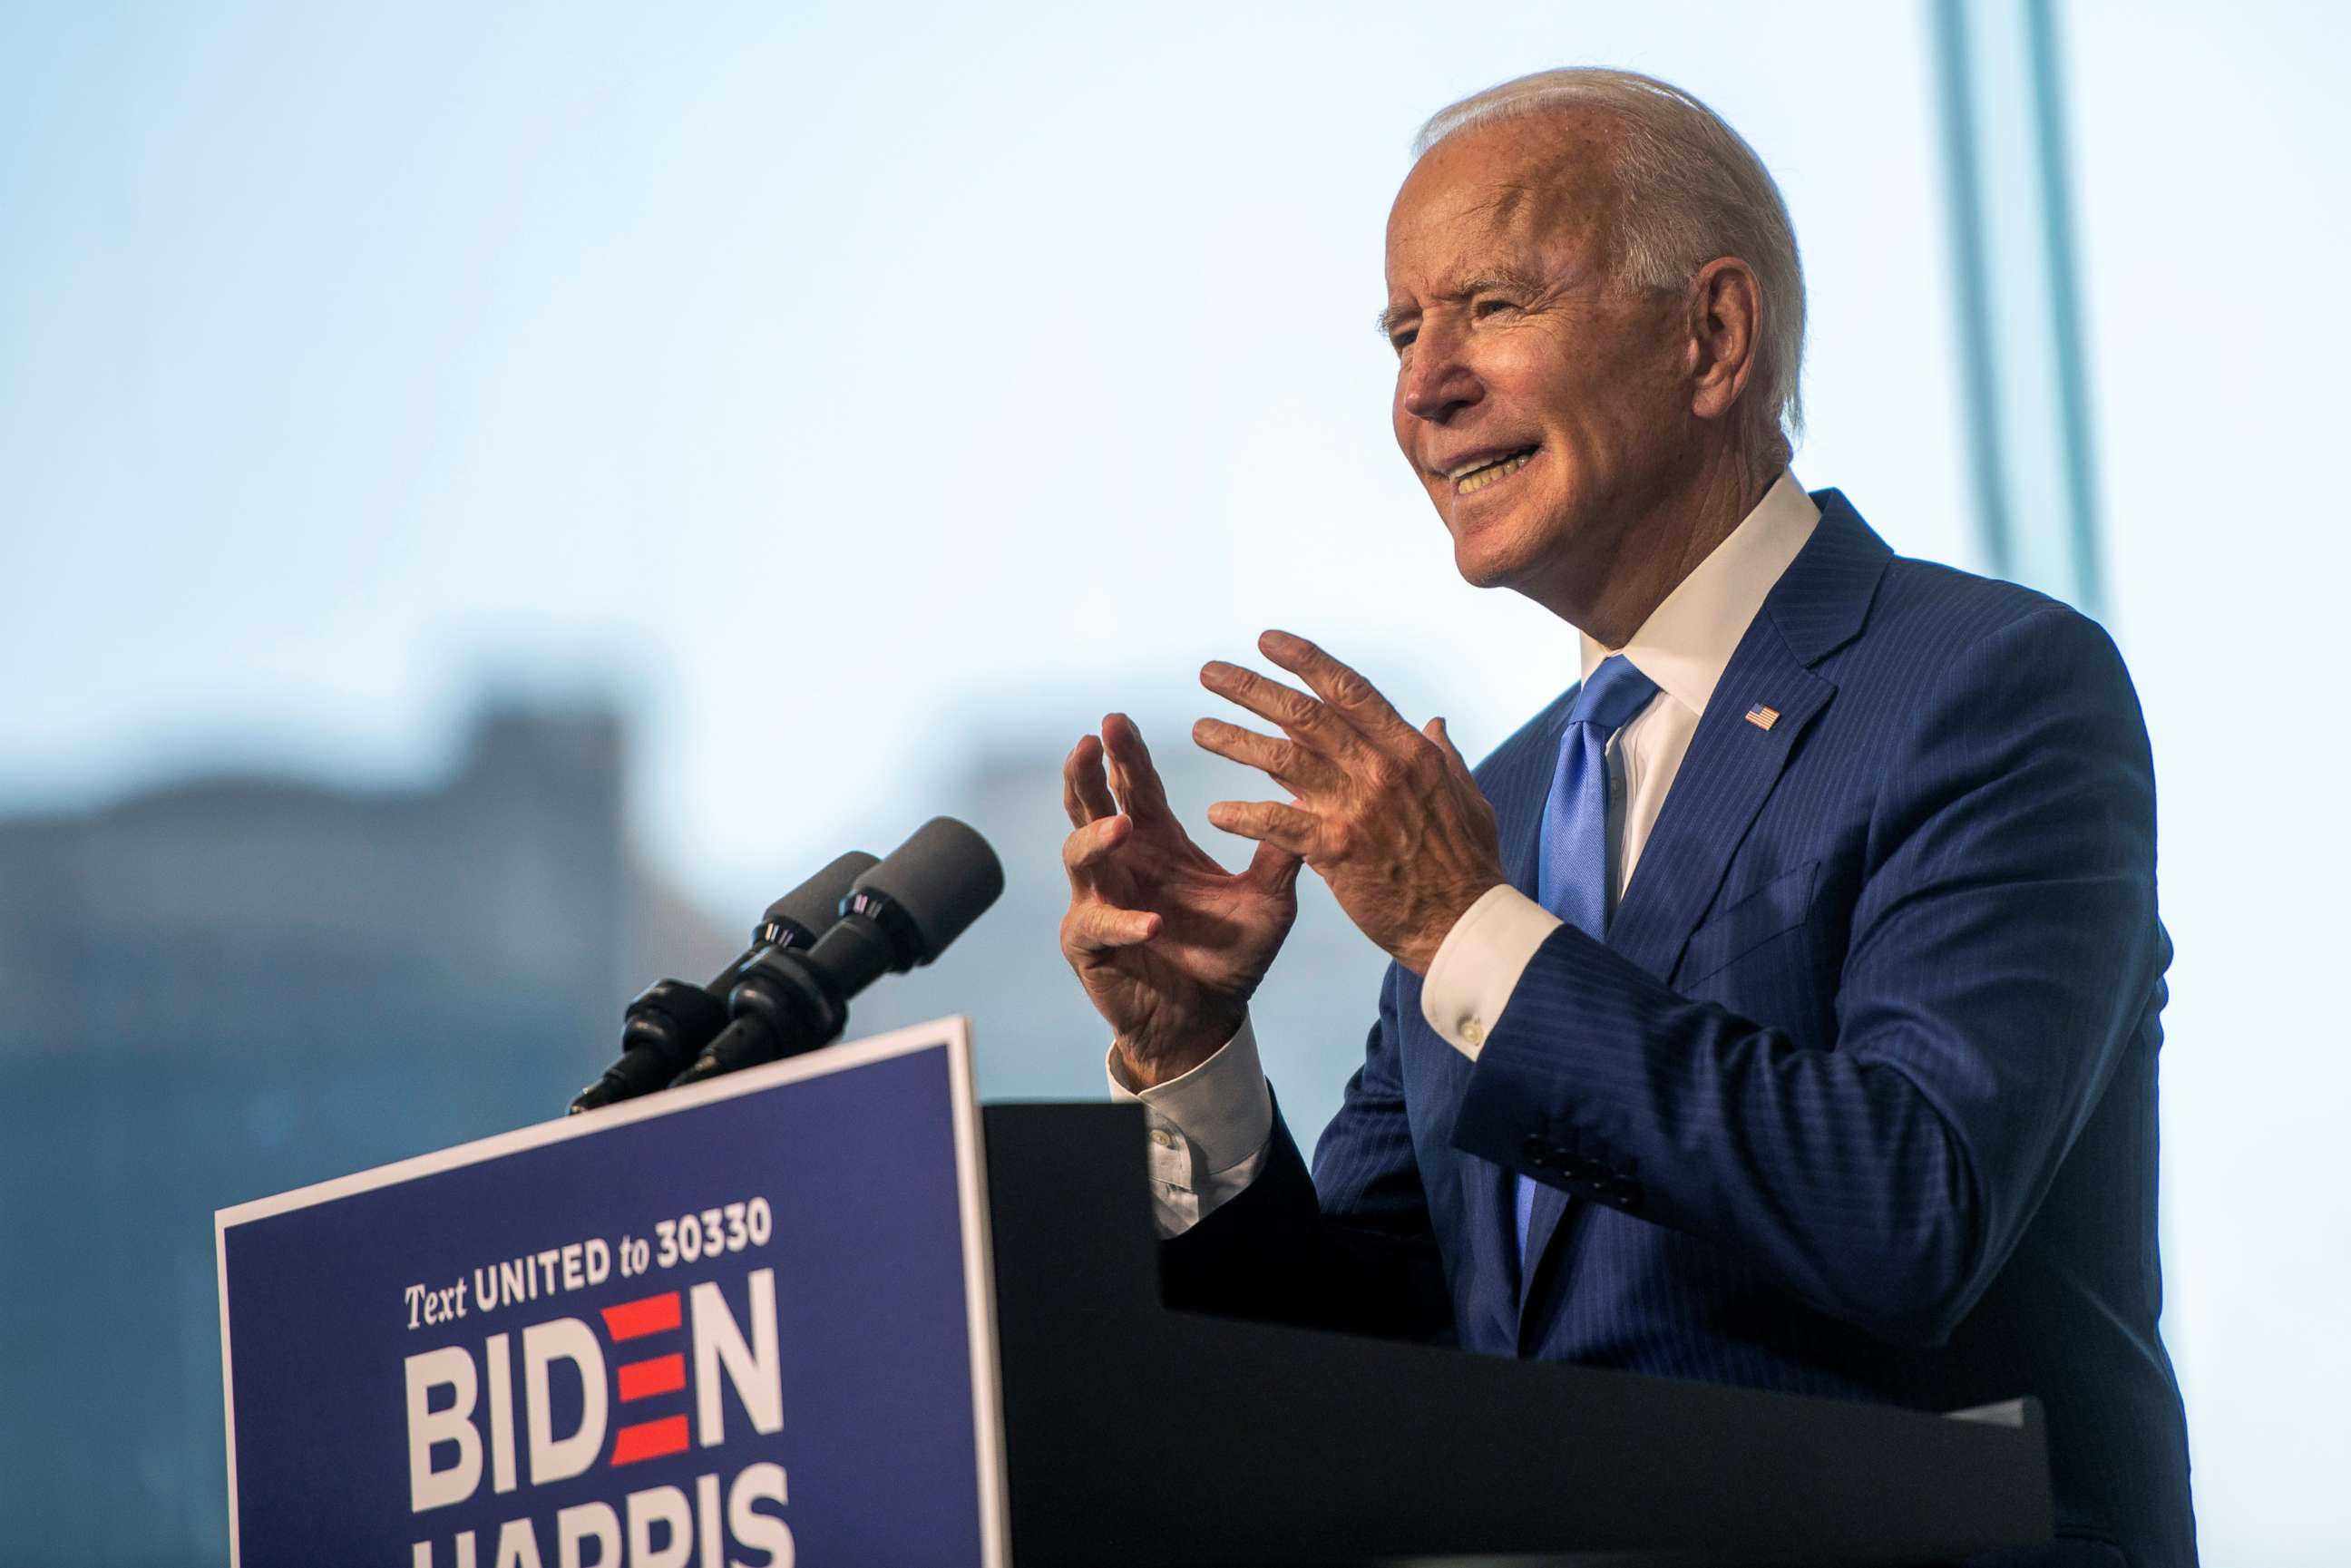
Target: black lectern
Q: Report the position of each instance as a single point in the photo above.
(1154, 1438)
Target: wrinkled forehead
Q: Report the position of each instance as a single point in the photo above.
(1536, 193)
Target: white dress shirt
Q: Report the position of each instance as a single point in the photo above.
(1210, 1127)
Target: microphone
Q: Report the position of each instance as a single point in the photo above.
(670, 1021)
(899, 913)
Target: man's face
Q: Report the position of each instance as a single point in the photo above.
(1562, 395)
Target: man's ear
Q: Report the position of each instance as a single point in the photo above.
(1726, 322)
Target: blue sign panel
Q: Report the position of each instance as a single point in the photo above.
(747, 1323)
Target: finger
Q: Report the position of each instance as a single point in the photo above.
(1085, 794)
(1299, 717)
(1299, 766)
(1343, 690)
(1097, 927)
(1133, 778)
(1273, 869)
(1286, 828)
(1091, 845)
(1455, 763)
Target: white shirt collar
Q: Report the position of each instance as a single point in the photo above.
(1688, 641)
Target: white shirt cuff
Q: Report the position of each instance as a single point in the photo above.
(1209, 1130)
(1479, 964)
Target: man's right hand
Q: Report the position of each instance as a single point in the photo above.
(1167, 942)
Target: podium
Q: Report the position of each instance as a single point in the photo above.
(831, 1312)
(1157, 1439)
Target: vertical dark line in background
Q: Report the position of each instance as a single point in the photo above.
(2072, 365)
(1965, 201)
(2021, 363)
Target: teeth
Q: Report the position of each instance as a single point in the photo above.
(1478, 478)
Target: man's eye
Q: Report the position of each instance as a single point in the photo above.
(1403, 339)
(1484, 308)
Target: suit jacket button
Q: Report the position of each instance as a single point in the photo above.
(1535, 1149)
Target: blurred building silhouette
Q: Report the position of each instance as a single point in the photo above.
(225, 988)
(221, 989)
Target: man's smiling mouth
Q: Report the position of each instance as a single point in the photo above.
(1477, 476)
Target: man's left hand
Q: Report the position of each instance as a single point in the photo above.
(1386, 814)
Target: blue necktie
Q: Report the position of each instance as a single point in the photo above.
(1572, 878)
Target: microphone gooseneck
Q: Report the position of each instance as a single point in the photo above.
(900, 913)
(670, 1021)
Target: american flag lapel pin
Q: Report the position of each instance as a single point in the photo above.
(1763, 718)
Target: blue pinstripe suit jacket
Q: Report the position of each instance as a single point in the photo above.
(1858, 1098)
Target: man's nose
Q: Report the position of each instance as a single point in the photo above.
(1437, 382)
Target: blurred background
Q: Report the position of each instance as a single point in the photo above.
(492, 494)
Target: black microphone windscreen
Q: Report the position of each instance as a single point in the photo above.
(942, 878)
(807, 911)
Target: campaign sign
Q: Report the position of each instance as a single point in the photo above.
(739, 1324)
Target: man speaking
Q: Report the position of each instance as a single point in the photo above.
(1779, 1006)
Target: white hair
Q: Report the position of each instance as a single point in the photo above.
(1692, 190)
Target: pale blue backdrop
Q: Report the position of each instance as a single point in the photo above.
(797, 420)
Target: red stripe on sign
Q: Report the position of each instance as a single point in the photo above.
(652, 1314)
(643, 1379)
(649, 1440)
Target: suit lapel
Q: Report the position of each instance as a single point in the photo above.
(1768, 697)
(1517, 784)
(1543, 1224)
(1732, 764)
(1730, 769)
